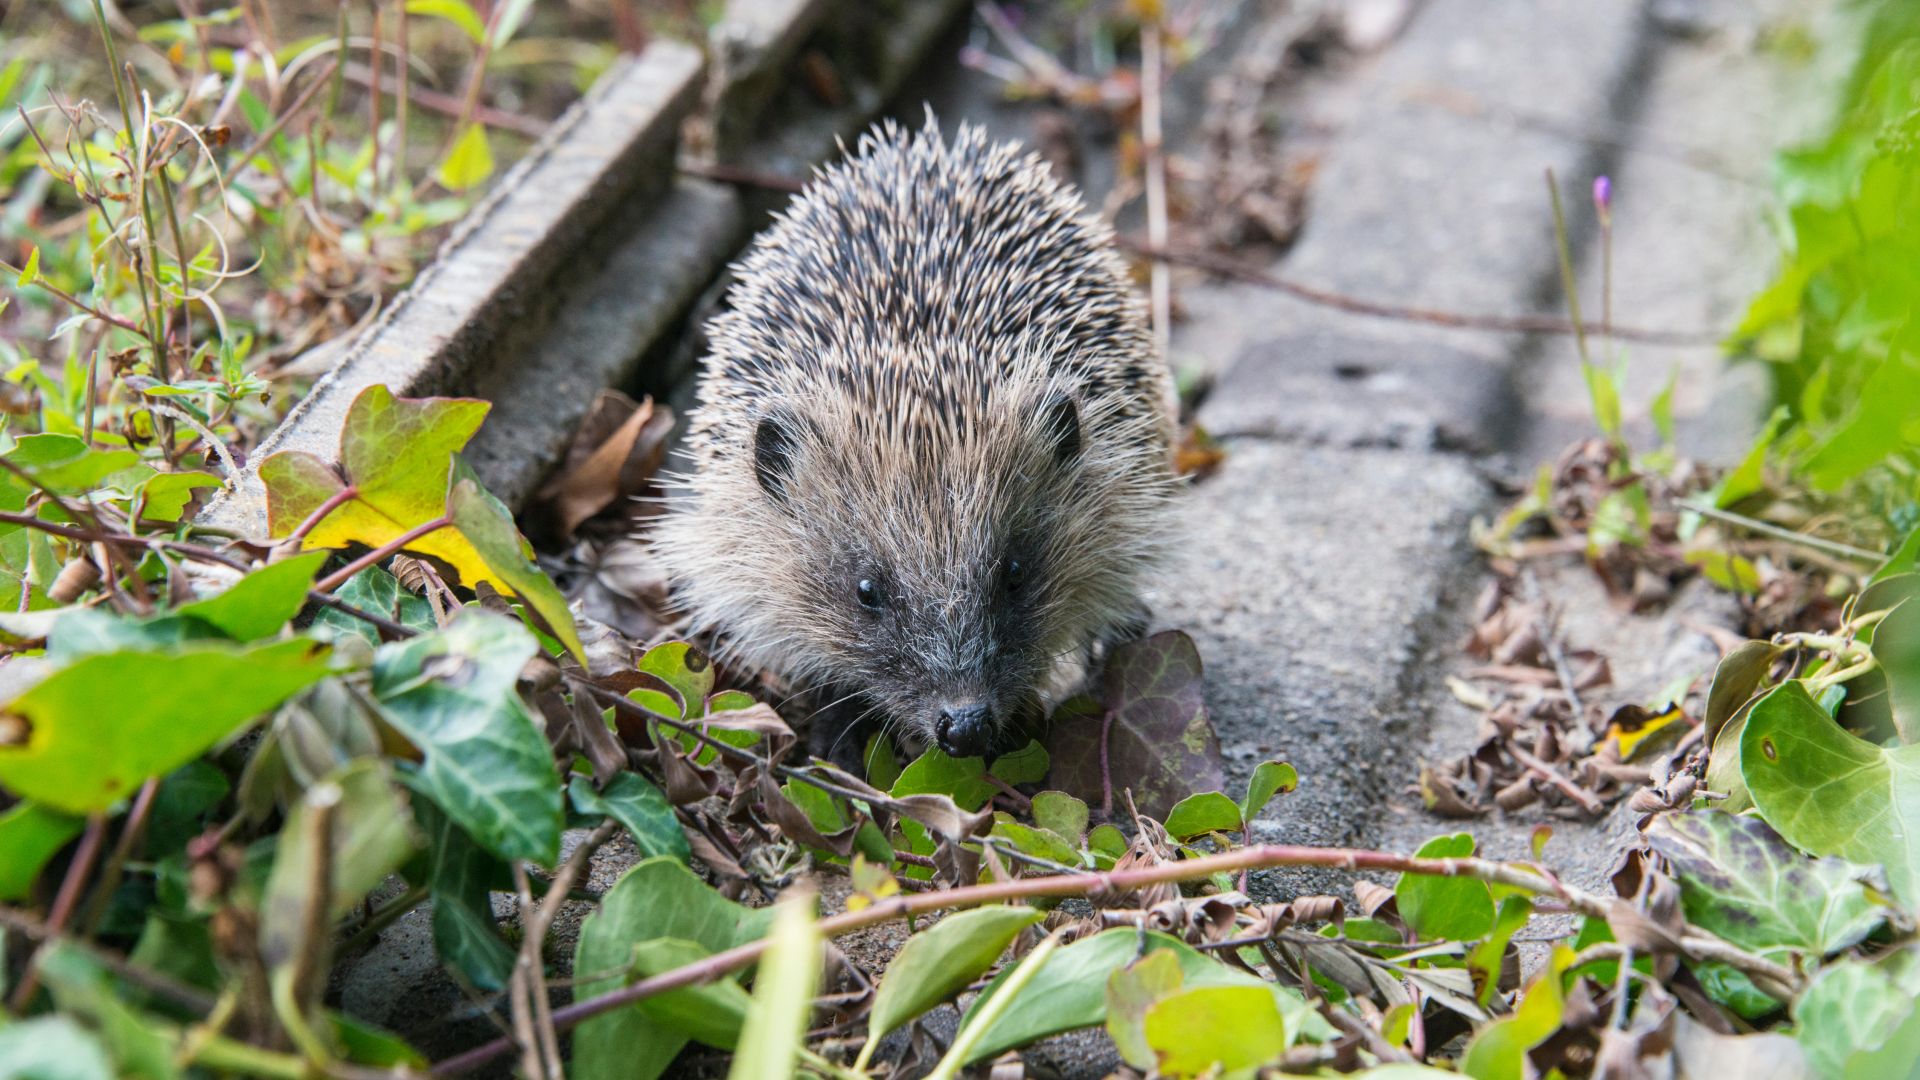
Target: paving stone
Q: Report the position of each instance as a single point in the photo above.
(1314, 590)
(1323, 386)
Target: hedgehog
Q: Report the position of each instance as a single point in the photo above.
(929, 468)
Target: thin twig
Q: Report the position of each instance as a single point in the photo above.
(1832, 547)
(380, 554)
(63, 904)
(1697, 944)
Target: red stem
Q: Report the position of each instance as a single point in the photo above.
(380, 554)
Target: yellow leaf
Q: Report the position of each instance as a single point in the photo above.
(469, 162)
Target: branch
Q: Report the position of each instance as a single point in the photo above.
(1264, 856)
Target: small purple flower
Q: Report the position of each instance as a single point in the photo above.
(1603, 196)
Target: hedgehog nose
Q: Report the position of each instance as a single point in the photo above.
(963, 728)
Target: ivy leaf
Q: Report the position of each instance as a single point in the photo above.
(1857, 1020)
(1160, 742)
(658, 898)
(1269, 778)
(1205, 812)
(1209, 1027)
(633, 801)
(939, 962)
(488, 765)
(1454, 908)
(30, 834)
(462, 876)
(1061, 814)
(262, 602)
(487, 524)
(468, 162)
(1130, 992)
(1070, 990)
(166, 708)
(1739, 880)
(397, 455)
(1829, 793)
(165, 496)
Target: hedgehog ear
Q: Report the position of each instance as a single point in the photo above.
(1060, 420)
(773, 449)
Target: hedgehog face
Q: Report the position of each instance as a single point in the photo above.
(941, 592)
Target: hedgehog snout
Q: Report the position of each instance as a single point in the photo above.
(964, 728)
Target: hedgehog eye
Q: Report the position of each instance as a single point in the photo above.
(868, 593)
(1016, 575)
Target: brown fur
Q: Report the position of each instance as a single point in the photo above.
(933, 366)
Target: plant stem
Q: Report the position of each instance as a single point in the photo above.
(1567, 282)
(380, 554)
(63, 905)
(1831, 547)
(1697, 944)
(332, 503)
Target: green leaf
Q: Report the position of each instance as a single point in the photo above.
(457, 12)
(1131, 991)
(1829, 793)
(29, 273)
(686, 670)
(1230, 1027)
(1456, 908)
(1269, 778)
(1739, 880)
(935, 773)
(1027, 765)
(710, 1013)
(81, 988)
(1857, 1020)
(166, 707)
(881, 765)
(1206, 812)
(469, 162)
(658, 898)
(462, 877)
(1896, 645)
(52, 1048)
(259, 604)
(165, 496)
(1040, 843)
(1499, 1050)
(1069, 991)
(30, 834)
(632, 800)
(488, 765)
(377, 592)
(487, 524)
(776, 1027)
(1603, 391)
(372, 834)
(1061, 814)
(397, 454)
(940, 961)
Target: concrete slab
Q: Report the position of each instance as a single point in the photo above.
(1316, 586)
(1691, 240)
(1323, 386)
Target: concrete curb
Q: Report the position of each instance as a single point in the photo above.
(614, 145)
